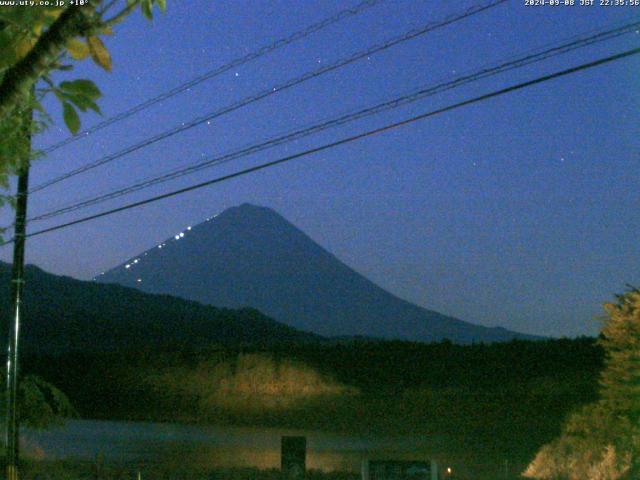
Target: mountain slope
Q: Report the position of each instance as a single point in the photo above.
(251, 256)
(63, 314)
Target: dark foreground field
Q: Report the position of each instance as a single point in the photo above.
(496, 403)
(74, 470)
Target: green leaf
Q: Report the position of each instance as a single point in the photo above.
(82, 102)
(145, 6)
(94, 106)
(77, 49)
(78, 101)
(163, 5)
(7, 54)
(71, 118)
(99, 53)
(24, 46)
(86, 88)
(18, 16)
(38, 106)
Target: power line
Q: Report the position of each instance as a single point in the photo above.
(409, 35)
(413, 33)
(343, 141)
(282, 42)
(479, 74)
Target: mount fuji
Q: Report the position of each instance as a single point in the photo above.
(250, 256)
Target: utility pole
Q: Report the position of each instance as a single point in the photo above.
(17, 284)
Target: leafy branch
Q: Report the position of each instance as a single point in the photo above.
(29, 54)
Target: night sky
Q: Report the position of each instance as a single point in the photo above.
(520, 211)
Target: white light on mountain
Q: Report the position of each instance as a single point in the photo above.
(139, 280)
(136, 260)
(188, 228)
(177, 237)
(127, 266)
(181, 234)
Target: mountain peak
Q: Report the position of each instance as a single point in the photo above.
(250, 210)
(250, 207)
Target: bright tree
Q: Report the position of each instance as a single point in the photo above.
(602, 440)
